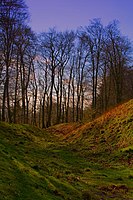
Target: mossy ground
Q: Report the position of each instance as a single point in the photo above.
(69, 161)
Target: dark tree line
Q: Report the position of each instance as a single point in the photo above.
(55, 77)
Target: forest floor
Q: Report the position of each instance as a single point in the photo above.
(73, 161)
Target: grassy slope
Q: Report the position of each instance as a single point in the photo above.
(69, 161)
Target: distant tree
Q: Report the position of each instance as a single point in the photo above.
(49, 52)
(118, 55)
(65, 45)
(12, 15)
(92, 36)
(43, 87)
(116, 59)
(82, 59)
(69, 71)
(55, 48)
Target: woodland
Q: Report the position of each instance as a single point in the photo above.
(53, 77)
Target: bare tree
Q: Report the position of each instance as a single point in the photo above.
(93, 37)
(82, 58)
(12, 14)
(65, 45)
(116, 59)
(118, 54)
(56, 47)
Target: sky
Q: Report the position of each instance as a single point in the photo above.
(71, 14)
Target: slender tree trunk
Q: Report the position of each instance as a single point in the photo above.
(73, 100)
(4, 102)
(6, 96)
(68, 98)
(35, 102)
(60, 104)
(51, 101)
(16, 90)
(43, 112)
(27, 107)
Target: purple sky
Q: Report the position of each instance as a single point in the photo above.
(71, 14)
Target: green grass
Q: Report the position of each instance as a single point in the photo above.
(86, 161)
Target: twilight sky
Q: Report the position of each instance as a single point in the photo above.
(71, 14)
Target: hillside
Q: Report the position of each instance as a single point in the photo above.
(69, 161)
